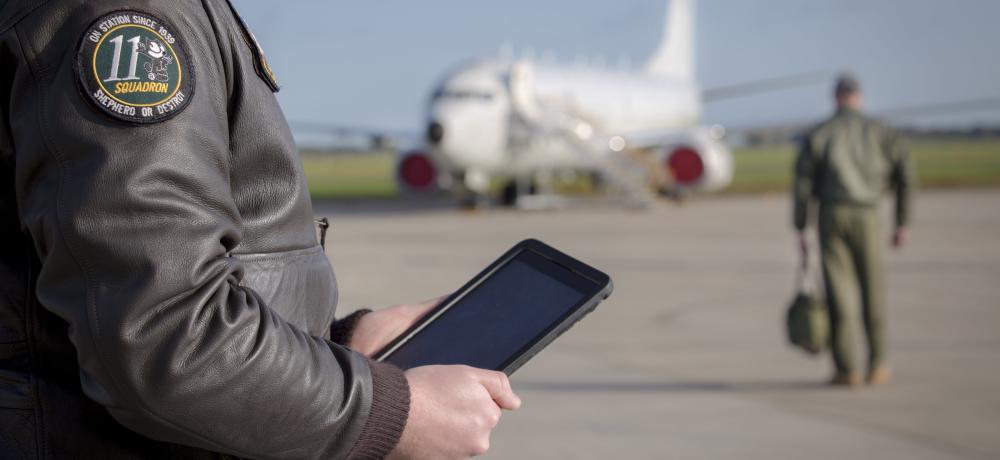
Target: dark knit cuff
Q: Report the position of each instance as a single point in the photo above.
(387, 417)
(342, 330)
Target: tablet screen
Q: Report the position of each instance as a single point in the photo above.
(506, 312)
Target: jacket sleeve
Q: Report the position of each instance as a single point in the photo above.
(903, 175)
(133, 226)
(803, 184)
(342, 330)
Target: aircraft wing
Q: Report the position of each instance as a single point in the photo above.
(893, 115)
(763, 86)
(649, 139)
(334, 135)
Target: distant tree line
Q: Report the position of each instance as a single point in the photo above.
(786, 134)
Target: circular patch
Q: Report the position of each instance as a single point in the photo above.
(133, 67)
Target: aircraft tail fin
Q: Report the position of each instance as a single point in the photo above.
(675, 55)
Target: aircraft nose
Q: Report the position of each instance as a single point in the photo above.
(435, 132)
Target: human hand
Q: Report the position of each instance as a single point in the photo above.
(453, 410)
(899, 238)
(376, 329)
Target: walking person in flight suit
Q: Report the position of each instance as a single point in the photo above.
(844, 165)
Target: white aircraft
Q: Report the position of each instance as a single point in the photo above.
(524, 121)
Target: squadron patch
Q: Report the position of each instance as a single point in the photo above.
(133, 67)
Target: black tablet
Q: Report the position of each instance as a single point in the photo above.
(506, 314)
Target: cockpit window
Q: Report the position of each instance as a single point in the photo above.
(461, 94)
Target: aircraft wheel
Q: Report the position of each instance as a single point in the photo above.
(508, 195)
(512, 190)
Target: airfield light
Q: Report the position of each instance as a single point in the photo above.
(717, 132)
(616, 143)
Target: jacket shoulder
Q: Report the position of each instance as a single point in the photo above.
(880, 125)
(12, 11)
(885, 131)
(820, 130)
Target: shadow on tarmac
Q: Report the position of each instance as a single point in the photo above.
(663, 387)
(376, 206)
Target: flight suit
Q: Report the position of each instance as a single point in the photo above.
(845, 164)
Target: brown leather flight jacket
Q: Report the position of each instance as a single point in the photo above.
(162, 290)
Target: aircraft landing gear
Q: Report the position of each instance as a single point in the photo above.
(515, 189)
(675, 194)
(471, 191)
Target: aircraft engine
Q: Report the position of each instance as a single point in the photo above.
(685, 165)
(416, 172)
(699, 162)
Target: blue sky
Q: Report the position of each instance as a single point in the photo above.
(373, 63)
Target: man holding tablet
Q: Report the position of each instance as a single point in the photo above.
(163, 294)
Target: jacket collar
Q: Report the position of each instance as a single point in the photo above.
(847, 111)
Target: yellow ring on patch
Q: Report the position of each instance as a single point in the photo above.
(180, 71)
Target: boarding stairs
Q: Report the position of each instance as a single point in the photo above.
(538, 122)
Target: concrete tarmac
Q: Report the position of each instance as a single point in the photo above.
(687, 359)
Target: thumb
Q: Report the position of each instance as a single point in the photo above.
(498, 385)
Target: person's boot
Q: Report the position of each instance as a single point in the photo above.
(846, 379)
(879, 375)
